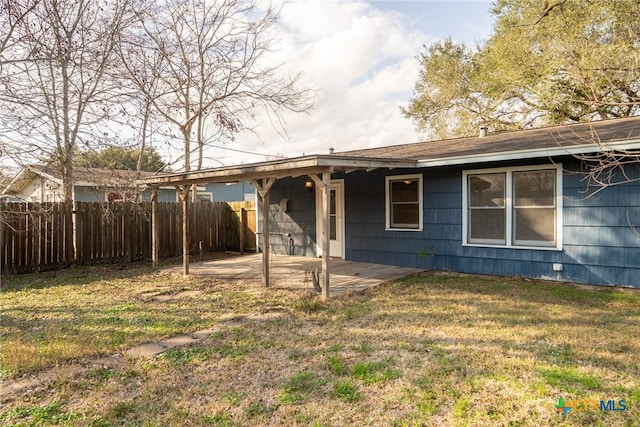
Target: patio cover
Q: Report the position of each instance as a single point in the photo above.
(263, 175)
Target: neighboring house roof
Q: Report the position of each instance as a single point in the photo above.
(575, 139)
(581, 138)
(82, 177)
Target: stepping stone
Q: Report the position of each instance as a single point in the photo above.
(164, 298)
(205, 333)
(187, 294)
(178, 341)
(145, 351)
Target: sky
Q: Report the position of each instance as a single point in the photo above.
(360, 57)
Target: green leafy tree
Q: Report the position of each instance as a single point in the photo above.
(546, 63)
(122, 158)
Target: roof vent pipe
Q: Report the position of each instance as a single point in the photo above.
(483, 131)
(331, 150)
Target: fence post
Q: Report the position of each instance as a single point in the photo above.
(2, 247)
(243, 224)
(155, 232)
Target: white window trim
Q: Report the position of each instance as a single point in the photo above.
(509, 206)
(387, 200)
(205, 193)
(198, 192)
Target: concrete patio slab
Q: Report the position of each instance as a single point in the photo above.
(293, 272)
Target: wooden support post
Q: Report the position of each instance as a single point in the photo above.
(266, 261)
(326, 232)
(185, 229)
(155, 228)
(263, 189)
(243, 225)
(2, 246)
(324, 185)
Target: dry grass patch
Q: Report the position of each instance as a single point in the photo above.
(435, 349)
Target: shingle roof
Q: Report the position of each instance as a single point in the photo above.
(83, 177)
(557, 137)
(93, 176)
(525, 144)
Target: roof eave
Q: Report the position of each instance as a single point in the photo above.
(279, 169)
(532, 154)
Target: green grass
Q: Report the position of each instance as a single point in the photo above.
(259, 407)
(336, 364)
(374, 372)
(347, 391)
(38, 415)
(435, 349)
(301, 386)
(186, 356)
(567, 378)
(55, 317)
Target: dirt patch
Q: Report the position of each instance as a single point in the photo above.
(11, 390)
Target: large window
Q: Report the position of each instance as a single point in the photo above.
(513, 207)
(403, 196)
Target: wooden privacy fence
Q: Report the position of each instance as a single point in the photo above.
(31, 234)
(32, 237)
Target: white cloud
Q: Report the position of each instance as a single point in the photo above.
(361, 60)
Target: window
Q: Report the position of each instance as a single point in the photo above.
(513, 207)
(487, 210)
(203, 196)
(403, 196)
(116, 196)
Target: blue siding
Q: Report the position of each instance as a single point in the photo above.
(164, 195)
(231, 193)
(297, 225)
(599, 244)
(89, 194)
(221, 193)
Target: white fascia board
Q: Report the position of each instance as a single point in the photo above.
(45, 175)
(532, 154)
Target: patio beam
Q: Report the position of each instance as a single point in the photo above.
(278, 169)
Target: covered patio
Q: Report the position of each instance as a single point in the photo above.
(294, 272)
(263, 175)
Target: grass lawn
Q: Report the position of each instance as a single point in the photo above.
(432, 349)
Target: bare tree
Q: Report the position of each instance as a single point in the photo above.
(56, 85)
(203, 66)
(12, 14)
(609, 166)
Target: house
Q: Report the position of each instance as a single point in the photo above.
(37, 183)
(511, 203)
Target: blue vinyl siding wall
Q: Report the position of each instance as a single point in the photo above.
(93, 194)
(231, 193)
(366, 238)
(221, 193)
(298, 223)
(88, 194)
(599, 245)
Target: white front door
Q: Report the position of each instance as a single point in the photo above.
(336, 219)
